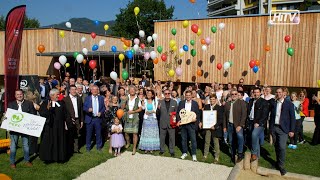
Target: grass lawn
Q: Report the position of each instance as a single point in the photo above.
(304, 160)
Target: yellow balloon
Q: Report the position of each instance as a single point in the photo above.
(199, 32)
(61, 34)
(136, 10)
(121, 57)
(106, 27)
(171, 72)
(319, 83)
(185, 23)
(125, 47)
(181, 54)
(174, 48)
(67, 65)
(172, 43)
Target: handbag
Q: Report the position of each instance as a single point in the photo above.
(173, 122)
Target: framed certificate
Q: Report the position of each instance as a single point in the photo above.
(209, 119)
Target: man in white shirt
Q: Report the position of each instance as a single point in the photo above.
(282, 124)
(190, 128)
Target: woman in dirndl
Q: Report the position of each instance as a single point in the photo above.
(131, 118)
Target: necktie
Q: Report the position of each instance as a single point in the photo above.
(19, 107)
(95, 106)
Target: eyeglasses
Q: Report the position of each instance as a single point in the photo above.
(166, 93)
(234, 94)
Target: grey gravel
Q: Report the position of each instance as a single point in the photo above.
(142, 166)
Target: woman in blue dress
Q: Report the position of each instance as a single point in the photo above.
(149, 140)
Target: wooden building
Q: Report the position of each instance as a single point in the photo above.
(251, 35)
(42, 65)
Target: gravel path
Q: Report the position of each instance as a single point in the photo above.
(143, 166)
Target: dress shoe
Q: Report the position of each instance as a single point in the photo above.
(240, 158)
(172, 154)
(215, 161)
(13, 166)
(29, 164)
(283, 171)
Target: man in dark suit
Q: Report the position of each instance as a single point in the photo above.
(165, 108)
(215, 131)
(44, 89)
(258, 113)
(282, 123)
(144, 82)
(26, 106)
(235, 115)
(74, 118)
(188, 129)
(80, 93)
(94, 109)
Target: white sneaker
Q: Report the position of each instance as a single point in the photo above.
(184, 155)
(194, 158)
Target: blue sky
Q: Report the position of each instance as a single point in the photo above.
(56, 11)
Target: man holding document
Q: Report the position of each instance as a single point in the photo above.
(212, 123)
(26, 106)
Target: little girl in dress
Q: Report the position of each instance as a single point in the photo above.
(117, 139)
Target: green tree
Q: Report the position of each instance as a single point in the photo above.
(28, 23)
(126, 22)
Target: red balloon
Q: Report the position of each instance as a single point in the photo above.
(219, 66)
(252, 63)
(287, 38)
(164, 57)
(93, 35)
(194, 28)
(93, 64)
(232, 46)
(142, 46)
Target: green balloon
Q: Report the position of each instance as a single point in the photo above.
(192, 42)
(231, 63)
(214, 29)
(193, 52)
(125, 75)
(133, 51)
(290, 51)
(75, 54)
(174, 31)
(159, 48)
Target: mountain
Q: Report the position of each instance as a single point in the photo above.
(85, 25)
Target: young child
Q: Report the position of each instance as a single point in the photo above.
(117, 139)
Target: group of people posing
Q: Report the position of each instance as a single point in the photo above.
(146, 113)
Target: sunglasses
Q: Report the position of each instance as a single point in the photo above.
(166, 93)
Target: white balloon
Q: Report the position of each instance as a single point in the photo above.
(154, 36)
(153, 55)
(149, 39)
(270, 23)
(114, 75)
(141, 33)
(204, 47)
(83, 39)
(226, 65)
(102, 42)
(136, 47)
(80, 58)
(85, 51)
(62, 59)
(181, 50)
(68, 24)
(221, 26)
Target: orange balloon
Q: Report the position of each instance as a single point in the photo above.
(4, 177)
(267, 48)
(203, 41)
(127, 43)
(192, 1)
(120, 113)
(257, 62)
(84, 62)
(41, 48)
(155, 61)
(122, 39)
(199, 73)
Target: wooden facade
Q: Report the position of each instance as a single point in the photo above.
(30, 64)
(250, 35)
